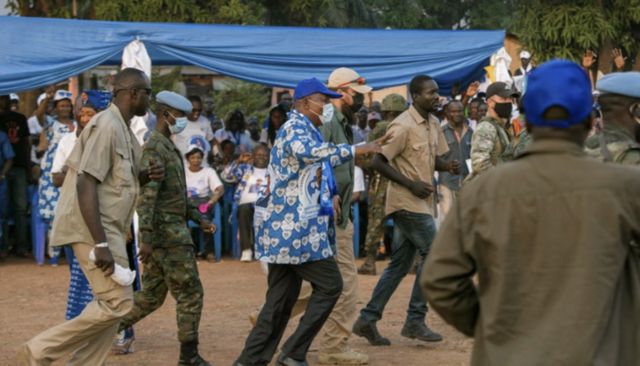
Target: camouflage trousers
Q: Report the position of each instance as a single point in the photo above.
(376, 216)
(170, 269)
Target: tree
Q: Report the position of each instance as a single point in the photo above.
(556, 28)
(251, 99)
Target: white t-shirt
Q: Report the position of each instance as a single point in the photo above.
(202, 183)
(34, 125)
(196, 133)
(358, 180)
(66, 144)
(257, 181)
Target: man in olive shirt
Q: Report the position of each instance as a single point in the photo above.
(409, 161)
(555, 251)
(166, 246)
(337, 329)
(619, 139)
(94, 214)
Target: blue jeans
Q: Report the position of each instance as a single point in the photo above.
(411, 232)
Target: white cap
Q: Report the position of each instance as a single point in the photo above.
(345, 77)
(525, 54)
(41, 97)
(62, 94)
(14, 96)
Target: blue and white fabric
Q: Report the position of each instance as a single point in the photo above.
(79, 291)
(291, 225)
(48, 193)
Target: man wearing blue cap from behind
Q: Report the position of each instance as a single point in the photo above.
(166, 247)
(558, 263)
(295, 229)
(619, 100)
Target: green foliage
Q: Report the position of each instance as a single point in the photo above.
(567, 28)
(251, 99)
(168, 81)
(185, 11)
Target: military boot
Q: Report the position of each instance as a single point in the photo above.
(369, 265)
(189, 355)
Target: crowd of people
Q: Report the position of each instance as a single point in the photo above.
(412, 166)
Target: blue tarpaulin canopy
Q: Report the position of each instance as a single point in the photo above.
(41, 51)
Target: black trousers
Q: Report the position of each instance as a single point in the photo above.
(245, 225)
(284, 287)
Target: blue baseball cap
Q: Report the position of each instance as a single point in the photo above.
(312, 86)
(558, 83)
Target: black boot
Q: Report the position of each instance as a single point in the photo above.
(189, 355)
(369, 265)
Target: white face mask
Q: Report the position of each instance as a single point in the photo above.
(327, 112)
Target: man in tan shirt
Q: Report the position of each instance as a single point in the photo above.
(555, 250)
(94, 213)
(409, 160)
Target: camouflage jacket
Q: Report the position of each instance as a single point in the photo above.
(613, 144)
(488, 144)
(163, 207)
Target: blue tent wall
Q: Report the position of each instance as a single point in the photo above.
(41, 51)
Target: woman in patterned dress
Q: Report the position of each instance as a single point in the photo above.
(54, 128)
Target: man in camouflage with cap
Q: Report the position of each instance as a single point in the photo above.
(166, 247)
(392, 106)
(618, 141)
(490, 139)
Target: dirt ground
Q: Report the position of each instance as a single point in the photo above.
(34, 299)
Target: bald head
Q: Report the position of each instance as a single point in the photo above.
(130, 78)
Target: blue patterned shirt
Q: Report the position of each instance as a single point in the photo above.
(289, 226)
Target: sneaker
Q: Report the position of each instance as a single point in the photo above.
(247, 255)
(348, 357)
(253, 317)
(210, 257)
(420, 332)
(369, 331)
(122, 345)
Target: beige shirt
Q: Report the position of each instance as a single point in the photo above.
(107, 150)
(553, 239)
(412, 151)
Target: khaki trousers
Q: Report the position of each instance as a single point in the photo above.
(447, 201)
(337, 329)
(91, 333)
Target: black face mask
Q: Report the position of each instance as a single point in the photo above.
(358, 101)
(503, 110)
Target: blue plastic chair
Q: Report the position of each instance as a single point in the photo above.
(39, 229)
(235, 247)
(227, 208)
(355, 212)
(217, 236)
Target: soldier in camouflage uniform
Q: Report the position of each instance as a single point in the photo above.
(166, 247)
(618, 141)
(392, 106)
(490, 139)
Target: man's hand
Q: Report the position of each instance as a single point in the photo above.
(472, 89)
(145, 252)
(618, 59)
(453, 167)
(207, 227)
(155, 171)
(420, 189)
(104, 260)
(244, 158)
(588, 59)
(337, 206)
(373, 147)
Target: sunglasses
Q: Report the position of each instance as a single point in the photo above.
(359, 81)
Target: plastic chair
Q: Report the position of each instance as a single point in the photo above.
(39, 229)
(217, 236)
(235, 247)
(227, 208)
(355, 213)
